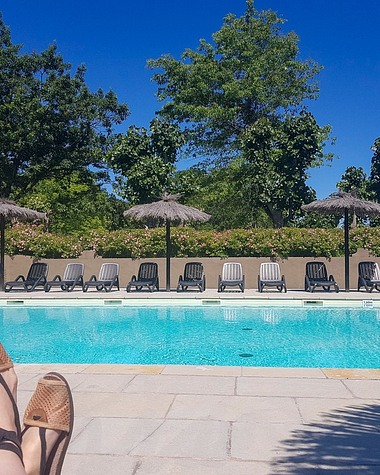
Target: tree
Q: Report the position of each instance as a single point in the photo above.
(354, 179)
(277, 156)
(144, 161)
(50, 123)
(251, 72)
(375, 170)
(75, 204)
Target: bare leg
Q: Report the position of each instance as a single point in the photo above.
(10, 463)
(31, 448)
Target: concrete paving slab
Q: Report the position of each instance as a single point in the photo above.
(292, 387)
(189, 439)
(235, 409)
(180, 384)
(260, 441)
(351, 373)
(122, 405)
(191, 370)
(317, 409)
(364, 388)
(170, 466)
(124, 369)
(94, 464)
(103, 383)
(283, 372)
(113, 436)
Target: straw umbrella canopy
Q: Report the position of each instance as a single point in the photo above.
(170, 210)
(344, 203)
(10, 211)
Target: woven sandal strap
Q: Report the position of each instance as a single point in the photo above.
(15, 409)
(10, 441)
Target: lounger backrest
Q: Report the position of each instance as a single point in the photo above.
(108, 271)
(316, 271)
(193, 271)
(147, 271)
(37, 270)
(232, 271)
(270, 271)
(369, 271)
(73, 271)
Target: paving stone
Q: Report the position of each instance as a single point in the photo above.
(169, 466)
(122, 405)
(192, 370)
(283, 372)
(113, 436)
(235, 409)
(364, 389)
(292, 387)
(90, 464)
(179, 384)
(188, 439)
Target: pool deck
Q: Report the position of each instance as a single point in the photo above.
(206, 420)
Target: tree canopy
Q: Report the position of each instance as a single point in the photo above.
(51, 124)
(251, 71)
(144, 161)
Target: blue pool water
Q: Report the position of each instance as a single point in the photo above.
(196, 335)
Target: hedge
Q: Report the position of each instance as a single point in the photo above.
(188, 242)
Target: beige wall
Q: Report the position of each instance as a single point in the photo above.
(293, 268)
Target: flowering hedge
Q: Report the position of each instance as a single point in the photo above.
(187, 242)
(33, 241)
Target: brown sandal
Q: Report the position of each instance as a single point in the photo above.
(51, 407)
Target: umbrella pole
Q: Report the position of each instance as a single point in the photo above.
(2, 252)
(168, 251)
(346, 253)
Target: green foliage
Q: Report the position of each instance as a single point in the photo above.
(354, 179)
(249, 72)
(277, 157)
(33, 241)
(144, 161)
(50, 123)
(188, 242)
(75, 204)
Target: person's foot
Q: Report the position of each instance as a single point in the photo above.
(48, 424)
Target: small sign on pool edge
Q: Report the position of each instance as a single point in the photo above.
(367, 303)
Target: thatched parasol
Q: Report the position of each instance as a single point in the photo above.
(10, 211)
(344, 203)
(169, 210)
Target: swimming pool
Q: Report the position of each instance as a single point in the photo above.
(195, 335)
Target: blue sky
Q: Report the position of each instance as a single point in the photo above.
(115, 39)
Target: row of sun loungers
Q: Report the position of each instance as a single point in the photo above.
(193, 277)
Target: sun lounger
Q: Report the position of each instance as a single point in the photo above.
(232, 276)
(36, 277)
(369, 276)
(316, 276)
(146, 277)
(270, 276)
(193, 276)
(108, 277)
(72, 277)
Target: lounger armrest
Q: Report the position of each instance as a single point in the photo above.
(180, 278)
(331, 278)
(134, 278)
(57, 278)
(92, 278)
(20, 277)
